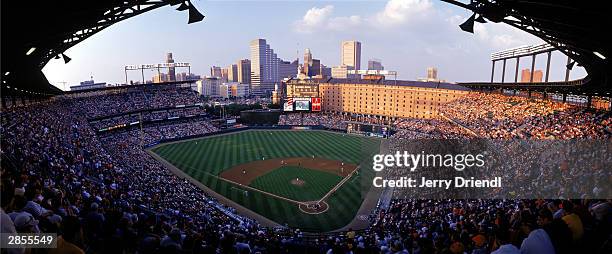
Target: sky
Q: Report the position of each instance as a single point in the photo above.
(406, 35)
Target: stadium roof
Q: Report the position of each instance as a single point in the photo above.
(391, 82)
(387, 82)
(34, 32)
(579, 29)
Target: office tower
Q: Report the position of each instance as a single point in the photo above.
(537, 76)
(224, 74)
(224, 90)
(339, 71)
(232, 73)
(209, 86)
(351, 55)
(526, 76)
(238, 90)
(244, 71)
(215, 71)
(375, 64)
(287, 69)
(315, 68)
(325, 71)
(264, 67)
(307, 57)
(159, 78)
(181, 76)
(171, 70)
(432, 73)
(311, 66)
(307, 62)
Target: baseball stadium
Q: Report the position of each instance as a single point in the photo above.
(274, 156)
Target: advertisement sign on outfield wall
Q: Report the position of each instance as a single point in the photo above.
(316, 103)
(288, 105)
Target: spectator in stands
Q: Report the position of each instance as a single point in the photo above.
(70, 235)
(573, 221)
(503, 242)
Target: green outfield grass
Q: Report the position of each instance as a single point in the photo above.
(204, 159)
(316, 183)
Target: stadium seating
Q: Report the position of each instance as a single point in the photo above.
(58, 169)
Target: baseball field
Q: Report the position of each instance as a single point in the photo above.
(304, 179)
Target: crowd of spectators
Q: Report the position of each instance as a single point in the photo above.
(330, 120)
(130, 99)
(427, 128)
(494, 115)
(493, 226)
(146, 116)
(103, 193)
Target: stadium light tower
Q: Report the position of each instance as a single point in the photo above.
(194, 14)
(468, 25)
(66, 58)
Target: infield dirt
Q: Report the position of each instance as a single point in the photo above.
(248, 172)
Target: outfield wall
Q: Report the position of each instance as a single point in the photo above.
(232, 130)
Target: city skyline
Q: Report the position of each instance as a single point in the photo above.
(407, 35)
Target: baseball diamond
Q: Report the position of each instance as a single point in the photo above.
(303, 179)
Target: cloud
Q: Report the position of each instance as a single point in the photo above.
(340, 23)
(502, 36)
(398, 12)
(320, 19)
(316, 16)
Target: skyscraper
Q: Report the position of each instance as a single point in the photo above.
(351, 54)
(307, 56)
(264, 67)
(315, 68)
(432, 73)
(171, 70)
(375, 64)
(311, 66)
(537, 76)
(215, 71)
(244, 71)
(526, 76)
(287, 69)
(224, 74)
(232, 73)
(307, 62)
(325, 71)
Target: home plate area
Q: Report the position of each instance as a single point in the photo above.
(314, 207)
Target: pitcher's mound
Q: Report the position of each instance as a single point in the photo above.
(314, 207)
(298, 182)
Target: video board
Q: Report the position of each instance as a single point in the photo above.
(311, 104)
(301, 104)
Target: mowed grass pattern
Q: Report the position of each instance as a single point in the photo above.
(203, 159)
(316, 183)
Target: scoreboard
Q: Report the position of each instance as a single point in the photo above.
(368, 129)
(302, 104)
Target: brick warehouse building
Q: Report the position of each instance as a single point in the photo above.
(377, 97)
